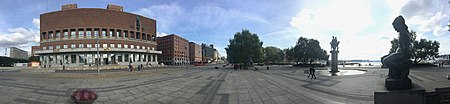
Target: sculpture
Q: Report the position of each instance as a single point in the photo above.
(334, 44)
(334, 54)
(398, 62)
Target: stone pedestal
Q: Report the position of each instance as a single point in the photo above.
(397, 84)
(416, 95)
(334, 61)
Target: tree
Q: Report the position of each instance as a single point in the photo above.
(34, 59)
(419, 50)
(307, 50)
(273, 54)
(245, 46)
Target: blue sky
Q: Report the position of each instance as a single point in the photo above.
(363, 26)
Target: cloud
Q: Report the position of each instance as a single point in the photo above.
(37, 22)
(20, 37)
(427, 16)
(166, 15)
(172, 16)
(161, 34)
(348, 23)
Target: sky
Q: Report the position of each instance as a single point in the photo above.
(363, 27)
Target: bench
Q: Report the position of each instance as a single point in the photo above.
(443, 94)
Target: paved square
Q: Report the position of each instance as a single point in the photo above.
(206, 85)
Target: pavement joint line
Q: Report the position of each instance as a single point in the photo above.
(28, 101)
(278, 84)
(340, 94)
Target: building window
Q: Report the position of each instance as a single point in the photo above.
(66, 34)
(96, 33)
(50, 35)
(73, 58)
(57, 46)
(89, 33)
(143, 47)
(72, 33)
(57, 34)
(65, 46)
(119, 45)
(103, 33)
(88, 45)
(125, 46)
(137, 47)
(138, 36)
(111, 45)
(80, 33)
(111, 33)
(73, 46)
(119, 56)
(50, 47)
(132, 35)
(80, 45)
(132, 46)
(125, 33)
(118, 33)
(44, 48)
(43, 36)
(105, 45)
(81, 58)
(126, 57)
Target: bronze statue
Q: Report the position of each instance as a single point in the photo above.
(334, 44)
(399, 61)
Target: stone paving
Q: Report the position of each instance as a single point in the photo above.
(206, 85)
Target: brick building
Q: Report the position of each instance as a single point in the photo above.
(69, 37)
(175, 50)
(195, 53)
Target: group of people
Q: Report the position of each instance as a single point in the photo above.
(139, 68)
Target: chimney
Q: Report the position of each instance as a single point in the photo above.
(114, 7)
(69, 6)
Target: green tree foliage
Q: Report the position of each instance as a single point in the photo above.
(273, 54)
(245, 46)
(419, 49)
(33, 59)
(306, 50)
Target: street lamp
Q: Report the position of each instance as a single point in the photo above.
(98, 55)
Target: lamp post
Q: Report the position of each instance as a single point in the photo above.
(98, 55)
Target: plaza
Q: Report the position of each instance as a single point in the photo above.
(206, 85)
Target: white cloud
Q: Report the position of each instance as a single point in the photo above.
(37, 22)
(172, 16)
(161, 34)
(166, 15)
(348, 23)
(20, 37)
(427, 16)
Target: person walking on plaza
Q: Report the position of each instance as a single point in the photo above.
(312, 72)
(130, 67)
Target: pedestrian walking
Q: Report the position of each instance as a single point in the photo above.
(130, 67)
(312, 72)
(142, 67)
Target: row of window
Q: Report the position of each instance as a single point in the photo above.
(89, 58)
(96, 32)
(65, 46)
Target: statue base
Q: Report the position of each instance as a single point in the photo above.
(397, 84)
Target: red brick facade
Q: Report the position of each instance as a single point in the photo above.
(175, 50)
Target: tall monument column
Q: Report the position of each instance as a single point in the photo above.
(334, 54)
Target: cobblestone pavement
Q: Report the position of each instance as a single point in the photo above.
(203, 85)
